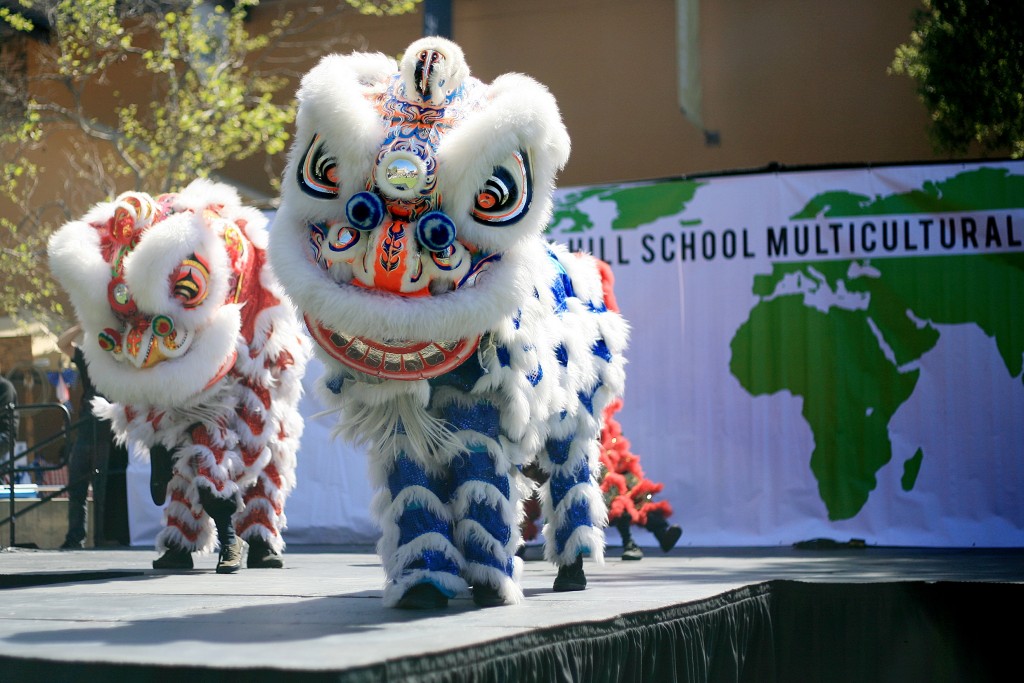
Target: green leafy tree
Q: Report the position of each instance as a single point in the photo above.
(140, 95)
(967, 57)
(381, 8)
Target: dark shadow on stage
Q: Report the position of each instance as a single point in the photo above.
(278, 623)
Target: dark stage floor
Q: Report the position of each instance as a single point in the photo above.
(692, 614)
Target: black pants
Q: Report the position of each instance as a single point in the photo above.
(88, 464)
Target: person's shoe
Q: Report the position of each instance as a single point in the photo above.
(220, 509)
(230, 559)
(668, 537)
(262, 556)
(423, 596)
(486, 595)
(571, 577)
(72, 545)
(631, 551)
(174, 558)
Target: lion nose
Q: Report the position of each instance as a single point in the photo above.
(396, 263)
(399, 241)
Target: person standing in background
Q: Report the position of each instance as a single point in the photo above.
(8, 417)
(92, 455)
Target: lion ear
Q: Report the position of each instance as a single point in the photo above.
(179, 265)
(338, 131)
(498, 166)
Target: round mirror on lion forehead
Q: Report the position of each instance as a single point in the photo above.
(401, 175)
(120, 293)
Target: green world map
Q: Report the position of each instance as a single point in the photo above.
(852, 363)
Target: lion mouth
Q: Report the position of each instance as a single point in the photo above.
(392, 359)
(145, 342)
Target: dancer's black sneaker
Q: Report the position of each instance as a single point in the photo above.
(631, 551)
(423, 596)
(667, 539)
(571, 577)
(667, 535)
(486, 595)
(262, 556)
(174, 558)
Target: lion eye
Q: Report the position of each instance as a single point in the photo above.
(317, 175)
(191, 283)
(505, 197)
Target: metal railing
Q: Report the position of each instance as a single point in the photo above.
(10, 468)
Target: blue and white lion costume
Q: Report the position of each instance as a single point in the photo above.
(460, 345)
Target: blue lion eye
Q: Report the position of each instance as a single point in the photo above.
(435, 231)
(364, 210)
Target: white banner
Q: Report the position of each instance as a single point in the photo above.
(822, 354)
(819, 354)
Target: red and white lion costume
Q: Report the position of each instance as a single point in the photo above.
(200, 355)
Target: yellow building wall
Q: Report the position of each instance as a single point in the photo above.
(787, 81)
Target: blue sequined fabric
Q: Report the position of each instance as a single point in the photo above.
(406, 472)
(478, 466)
(436, 561)
(577, 515)
(561, 288)
(558, 450)
(587, 399)
(476, 553)
(416, 519)
(561, 484)
(334, 383)
(600, 349)
(481, 417)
